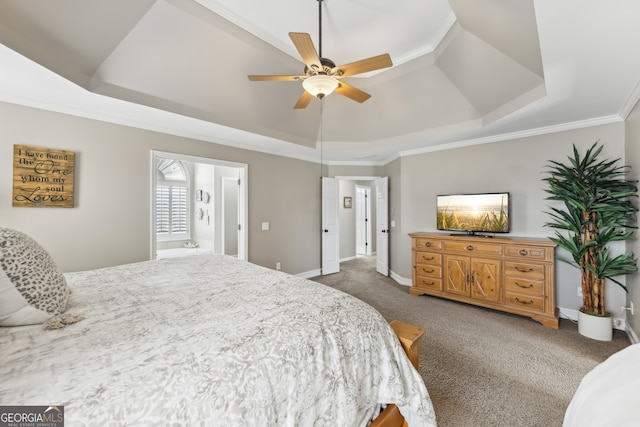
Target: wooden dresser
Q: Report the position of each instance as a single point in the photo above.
(515, 275)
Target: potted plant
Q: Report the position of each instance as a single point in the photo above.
(598, 209)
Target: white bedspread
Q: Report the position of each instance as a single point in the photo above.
(211, 340)
(608, 394)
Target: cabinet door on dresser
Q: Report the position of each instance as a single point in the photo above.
(485, 279)
(457, 274)
(477, 278)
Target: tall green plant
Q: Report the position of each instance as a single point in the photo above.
(598, 209)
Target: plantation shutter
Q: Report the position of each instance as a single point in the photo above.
(178, 210)
(172, 199)
(163, 208)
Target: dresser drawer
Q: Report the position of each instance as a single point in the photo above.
(525, 286)
(534, 253)
(473, 247)
(524, 270)
(429, 258)
(527, 302)
(428, 270)
(428, 283)
(422, 243)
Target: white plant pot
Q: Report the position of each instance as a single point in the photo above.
(595, 327)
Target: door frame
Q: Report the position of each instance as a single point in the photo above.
(373, 180)
(243, 196)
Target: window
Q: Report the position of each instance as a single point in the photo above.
(172, 199)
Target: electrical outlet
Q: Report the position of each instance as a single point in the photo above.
(632, 308)
(580, 291)
(278, 266)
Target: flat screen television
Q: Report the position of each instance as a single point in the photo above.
(473, 213)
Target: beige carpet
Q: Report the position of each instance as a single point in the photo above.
(482, 367)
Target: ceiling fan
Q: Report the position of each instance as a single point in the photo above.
(321, 76)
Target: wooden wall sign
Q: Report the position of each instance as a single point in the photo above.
(42, 177)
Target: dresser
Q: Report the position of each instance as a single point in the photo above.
(514, 275)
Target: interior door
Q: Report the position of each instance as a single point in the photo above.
(382, 225)
(230, 218)
(362, 218)
(330, 227)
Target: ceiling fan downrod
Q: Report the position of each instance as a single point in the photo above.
(320, 28)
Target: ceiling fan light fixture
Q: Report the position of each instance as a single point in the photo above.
(320, 85)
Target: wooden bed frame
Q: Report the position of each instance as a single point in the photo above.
(408, 336)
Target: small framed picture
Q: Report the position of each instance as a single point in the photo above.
(347, 202)
(198, 195)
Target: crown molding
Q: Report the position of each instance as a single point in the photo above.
(517, 135)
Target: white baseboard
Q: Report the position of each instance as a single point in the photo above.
(309, 274)
(399, 279)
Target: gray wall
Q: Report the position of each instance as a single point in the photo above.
(632, 158)
(111, 222)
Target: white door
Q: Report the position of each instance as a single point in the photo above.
(230, 218)
(363, 229)
(382, 226)
(330, 227)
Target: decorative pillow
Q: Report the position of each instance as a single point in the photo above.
(32, 289)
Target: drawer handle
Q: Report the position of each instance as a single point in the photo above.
(523, 286)
(428, 244)
(470, 248)
(428, 284)
(524, 252)
(524, 302)
(428, 271)
(427, 259)
(523, 271)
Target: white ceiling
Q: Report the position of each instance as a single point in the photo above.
(465, 71)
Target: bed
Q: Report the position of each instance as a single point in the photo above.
(608, 394)
(185, 341)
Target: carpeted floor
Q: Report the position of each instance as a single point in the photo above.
(482, 367)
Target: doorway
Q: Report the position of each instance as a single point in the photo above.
(211, 208)
(340, 241)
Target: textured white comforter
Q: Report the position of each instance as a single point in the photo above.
(608, 394)
(211, 340)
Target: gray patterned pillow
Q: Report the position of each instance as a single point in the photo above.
(32, 289)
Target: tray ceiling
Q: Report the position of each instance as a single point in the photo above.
(464, 71)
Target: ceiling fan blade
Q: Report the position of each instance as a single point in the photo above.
(352, 92)
(255, 78)
(304, 100)
(365, 65)
(307, 51)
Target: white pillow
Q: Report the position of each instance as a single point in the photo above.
(32, 289)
